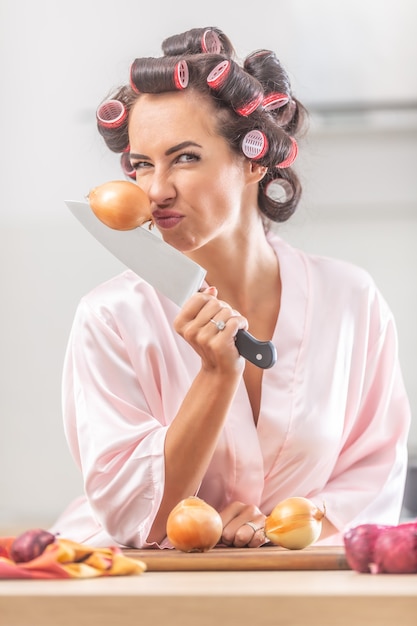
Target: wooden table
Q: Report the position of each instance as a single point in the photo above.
(310, 597)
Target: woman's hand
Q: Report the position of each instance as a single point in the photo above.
(215, 344)
(243, 525)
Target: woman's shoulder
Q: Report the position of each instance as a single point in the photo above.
(123, 295)
(321, 269)
(108, 293)
(118, 284)
(333, 286)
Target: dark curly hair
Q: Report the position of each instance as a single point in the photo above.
(255, 96)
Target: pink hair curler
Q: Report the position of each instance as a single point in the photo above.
(250, 107)
(291, 157)
(275, 100)
(210, 42)
(181, 75)
(111, 114)
(127, 168)
(259, 53)
(218, 74)
(254, 144)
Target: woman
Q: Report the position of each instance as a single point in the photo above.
(158, 403)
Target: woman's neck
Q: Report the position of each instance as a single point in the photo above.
(243, 268)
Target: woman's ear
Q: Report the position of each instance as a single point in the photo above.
(255, 171)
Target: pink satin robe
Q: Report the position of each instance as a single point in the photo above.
(334, 415)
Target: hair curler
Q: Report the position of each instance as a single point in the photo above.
(218, 74)
(131, 79)
(127, 168)
(181, 75)
(291, 157)
(254, 144)
(111, 114)
(158, 75)
(251, 106)
(275, 100)
(210, 42)
(279, 190)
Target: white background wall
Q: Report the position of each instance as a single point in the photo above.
(57, 62)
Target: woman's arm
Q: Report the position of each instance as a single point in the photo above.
(193, 434)
(367, 482)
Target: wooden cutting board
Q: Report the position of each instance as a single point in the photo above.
(234, 559)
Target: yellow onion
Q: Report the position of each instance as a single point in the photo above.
(120, 204)
(294, 523)
(194, 526)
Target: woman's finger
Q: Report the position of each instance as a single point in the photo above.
(243, 525)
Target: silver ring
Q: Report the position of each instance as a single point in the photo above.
(252, 525)
(220, 325)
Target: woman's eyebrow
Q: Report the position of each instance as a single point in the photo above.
(140, 157)
(180, 146)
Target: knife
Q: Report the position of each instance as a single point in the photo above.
(169, 271)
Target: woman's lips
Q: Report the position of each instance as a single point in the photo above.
(166, 219)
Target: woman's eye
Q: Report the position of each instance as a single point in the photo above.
(138, 165)
(186, 157)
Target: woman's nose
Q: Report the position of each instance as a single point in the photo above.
(161, 190)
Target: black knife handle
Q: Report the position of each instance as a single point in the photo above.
(260, 353)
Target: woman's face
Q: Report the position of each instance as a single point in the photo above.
(198, 187)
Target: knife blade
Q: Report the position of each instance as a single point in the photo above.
(169, 271)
